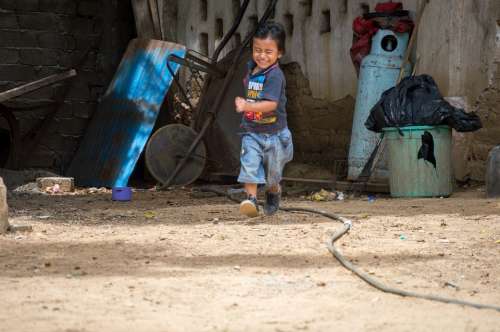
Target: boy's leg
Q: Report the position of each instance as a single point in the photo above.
(251, 189)
(274, 188)
(251, 173)
(275, 161)
(249, 207)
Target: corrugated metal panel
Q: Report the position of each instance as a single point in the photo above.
(126, 115)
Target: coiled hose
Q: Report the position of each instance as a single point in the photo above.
(346, 227)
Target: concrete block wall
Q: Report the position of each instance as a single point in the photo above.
(318, 36)
(456, 43)
(43, 37)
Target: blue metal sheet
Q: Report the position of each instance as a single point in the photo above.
(126, 115)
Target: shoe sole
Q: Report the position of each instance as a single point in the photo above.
(248, 209)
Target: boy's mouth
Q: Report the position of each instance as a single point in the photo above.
(262, 63)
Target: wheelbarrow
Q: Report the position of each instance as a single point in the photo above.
(177, 154)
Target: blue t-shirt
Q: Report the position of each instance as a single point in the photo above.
(268, 84)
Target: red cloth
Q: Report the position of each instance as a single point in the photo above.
(388, 7)
(364, 29)
(361, 26)
(403, 25)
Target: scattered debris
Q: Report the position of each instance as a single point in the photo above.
(326, 196)
(33, 188)
(55, 185)
(14, 179)
(20, 228)
(149, 214)
(28, 188)
(452, 285)
(94, 190)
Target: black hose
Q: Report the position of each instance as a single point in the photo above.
(346, 226)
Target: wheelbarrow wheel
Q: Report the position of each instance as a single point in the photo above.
(167, 147)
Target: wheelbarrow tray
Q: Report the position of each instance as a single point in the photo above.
(125, 117)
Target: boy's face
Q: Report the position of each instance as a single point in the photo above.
(265, 52)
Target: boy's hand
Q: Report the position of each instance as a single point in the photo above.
(240, 104)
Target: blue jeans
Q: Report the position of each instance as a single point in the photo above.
(263, 157)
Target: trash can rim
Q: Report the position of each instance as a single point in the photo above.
(410, 128)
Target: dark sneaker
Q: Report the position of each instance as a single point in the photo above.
(272, 203)
(249, 207)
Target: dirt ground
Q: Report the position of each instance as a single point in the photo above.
(168, 261)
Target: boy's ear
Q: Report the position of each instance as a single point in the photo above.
(280, 54)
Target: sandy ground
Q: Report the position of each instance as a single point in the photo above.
(172, 262)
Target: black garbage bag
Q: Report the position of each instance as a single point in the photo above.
(415, 101)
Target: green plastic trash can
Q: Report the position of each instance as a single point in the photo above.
(413, 177)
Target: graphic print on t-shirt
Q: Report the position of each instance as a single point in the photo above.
(254, 93)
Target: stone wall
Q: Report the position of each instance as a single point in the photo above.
(321, 129)
(43, 37)
(488, 108)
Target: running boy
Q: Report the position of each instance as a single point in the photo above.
(266, 144)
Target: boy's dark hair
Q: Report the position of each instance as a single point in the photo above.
(272, 30)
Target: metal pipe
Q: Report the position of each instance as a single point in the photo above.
(231, 31)
(208, 79)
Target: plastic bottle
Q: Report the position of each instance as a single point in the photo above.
(493, 173)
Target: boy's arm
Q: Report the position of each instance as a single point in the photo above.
(271, 95)
(263, 106)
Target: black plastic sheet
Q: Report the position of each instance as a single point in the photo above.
(417, 101)
(426, 150)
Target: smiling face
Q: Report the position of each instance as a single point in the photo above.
(265, 52)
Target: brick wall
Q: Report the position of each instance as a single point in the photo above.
(43, 37)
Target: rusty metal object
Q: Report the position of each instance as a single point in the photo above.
(36, 85)
(223, 137)
(8, 113)
(167, 146)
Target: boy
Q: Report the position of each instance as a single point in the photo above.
(266, 144)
